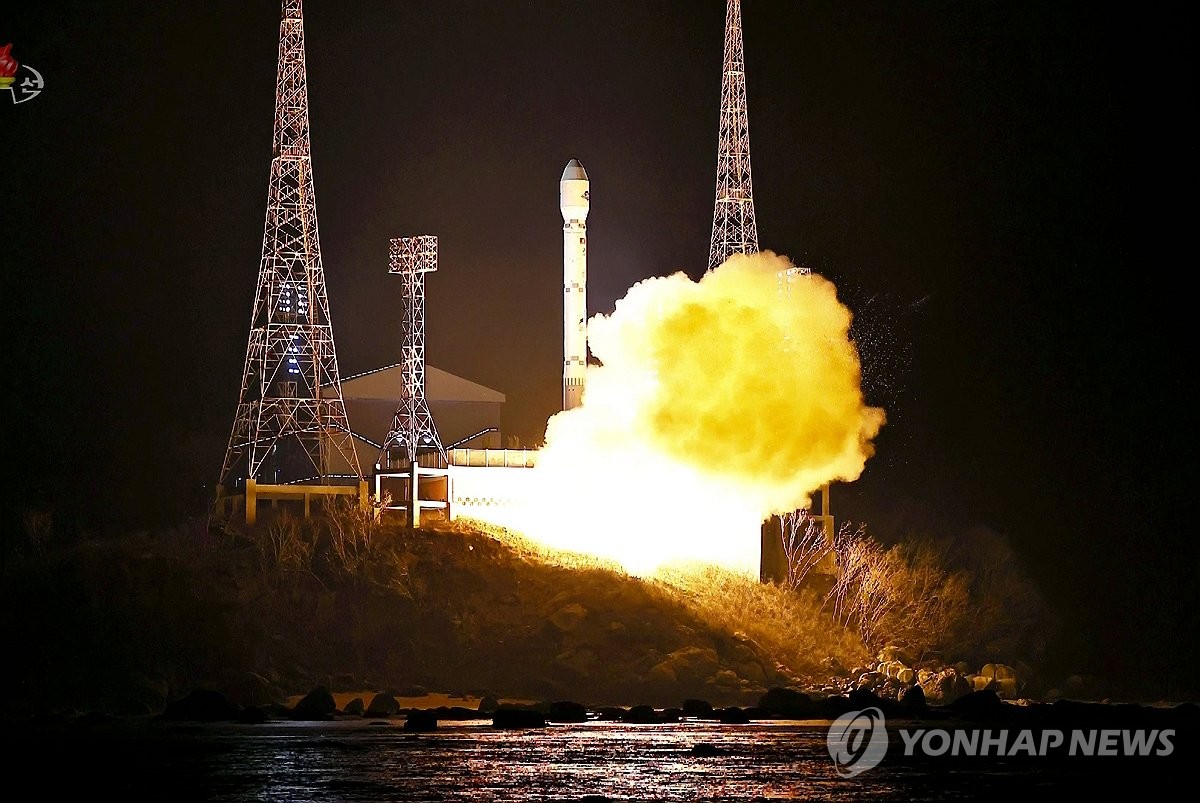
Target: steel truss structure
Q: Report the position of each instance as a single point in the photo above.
(413, 430)
(291, 417)
(734, 229)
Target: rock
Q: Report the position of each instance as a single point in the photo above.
(568, 617)
(945, 687)
(726, 678)
(1005, 672)
(383, 705)
(566, 711)
(202, 705)
(833, 666)
(707, 750)
(752, 671)
(488, 704)
(454, 713)
(642, 715)
(700, 709)
(421, 721)
(317, 705)
(511, 717)
(913, 699)
(1006, 688)
(692, 665)
(979, 705)
(893, 653)
(610, 713)
(732, 716)
(788, 704)
(663, 672)
(869, 680)
(834, 706)
(907, 676)
(355, 707)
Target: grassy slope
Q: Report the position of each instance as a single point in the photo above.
(125, 625)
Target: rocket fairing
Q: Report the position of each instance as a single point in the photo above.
(573, 202)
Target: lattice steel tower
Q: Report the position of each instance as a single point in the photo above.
(413, 430)
(287, 429)
(734, 230)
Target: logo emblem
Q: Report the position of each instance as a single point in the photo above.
(31, 84)
(857, 741)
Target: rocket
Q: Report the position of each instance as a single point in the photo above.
(573, 202)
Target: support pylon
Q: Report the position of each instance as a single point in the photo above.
(291, 423)
(413, 430)
(734, 229)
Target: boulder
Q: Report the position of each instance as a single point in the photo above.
(488, 704)
(945, 687)
(455, 713)
(317, 705)
(869, 680)
(610, 713)
(833, 666)
(642, 715)
(700, 709)
(732, 716)
(568, 617)
(663, 673)
(834, 706)
(979, 706)
(355, 707)
(726, 678)
(913, 699)
(511, 717)
(566, 711)
(893, 653)
(788, 704)
(692, 664)
(383, 705)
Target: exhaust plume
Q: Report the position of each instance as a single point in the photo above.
(717, 403)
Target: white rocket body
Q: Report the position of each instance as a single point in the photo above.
(573, 202)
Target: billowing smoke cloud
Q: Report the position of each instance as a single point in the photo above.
(717, 403)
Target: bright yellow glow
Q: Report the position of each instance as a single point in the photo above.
(717, 404)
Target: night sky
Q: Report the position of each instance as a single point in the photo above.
(994, 187)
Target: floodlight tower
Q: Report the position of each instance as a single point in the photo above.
(291, 419)
(734, 229)
(413, 430)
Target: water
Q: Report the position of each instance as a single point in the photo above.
(364, 760)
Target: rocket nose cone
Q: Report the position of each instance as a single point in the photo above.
(574, 172)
